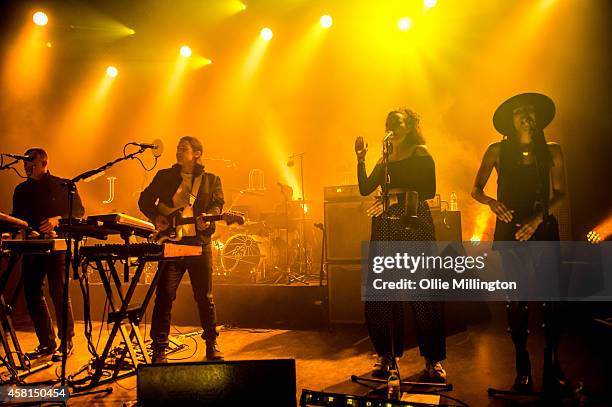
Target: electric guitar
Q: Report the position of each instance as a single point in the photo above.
(174, 233)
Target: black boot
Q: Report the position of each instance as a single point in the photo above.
(159, 355)
(212, 349)
(381, 367)
(518, 318)
(523, 383)
(554, 382)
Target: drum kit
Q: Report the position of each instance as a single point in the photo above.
(276, 248)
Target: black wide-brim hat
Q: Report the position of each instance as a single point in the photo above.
(544, 109)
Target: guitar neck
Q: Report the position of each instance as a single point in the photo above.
(192, 219)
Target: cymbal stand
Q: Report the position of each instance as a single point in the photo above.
(287, 273)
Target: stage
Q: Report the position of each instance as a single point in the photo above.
(478, 358)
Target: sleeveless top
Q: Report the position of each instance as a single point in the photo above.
(523, 188)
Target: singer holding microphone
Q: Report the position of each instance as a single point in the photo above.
(411, 172)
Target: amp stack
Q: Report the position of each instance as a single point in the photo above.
(347, 226)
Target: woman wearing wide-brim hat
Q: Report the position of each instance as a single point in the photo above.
(531, 183)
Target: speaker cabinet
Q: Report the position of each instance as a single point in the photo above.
(447, 225)
(344, 288)
(347, 225)
(223, 383)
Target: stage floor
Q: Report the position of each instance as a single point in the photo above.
(478, 358)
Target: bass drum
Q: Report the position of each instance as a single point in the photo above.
(243, 257)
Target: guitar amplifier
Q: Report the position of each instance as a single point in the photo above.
(346, 222)
(447, 225)
(344, 290)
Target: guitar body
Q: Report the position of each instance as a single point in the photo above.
(175, 219)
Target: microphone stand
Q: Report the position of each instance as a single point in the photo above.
(387, 150)
(9, 165)
(301, 253)
(70, 238)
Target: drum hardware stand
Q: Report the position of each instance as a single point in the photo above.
(287, 274)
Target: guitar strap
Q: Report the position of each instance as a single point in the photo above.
(195, 188)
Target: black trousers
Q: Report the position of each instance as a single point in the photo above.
(385, 321)
(200, 274)
(35, 268)
(536, 268)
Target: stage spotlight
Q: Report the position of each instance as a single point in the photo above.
(594, 237)
(266, 34)
(430, 3)
(40, 18)
(404, 23)
(185, 51)
(111, 71)
(49, 45)
(326, 21)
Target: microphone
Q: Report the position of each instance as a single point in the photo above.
(388, 135)
(157, 147)
(20, 157)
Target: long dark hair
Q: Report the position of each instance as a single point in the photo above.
(413, 123)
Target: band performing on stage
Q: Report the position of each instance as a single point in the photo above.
(288, 247)
(185, 202)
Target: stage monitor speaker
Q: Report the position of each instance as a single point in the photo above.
(344, 288)
(222, 383)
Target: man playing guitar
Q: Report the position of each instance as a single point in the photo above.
(185, 185)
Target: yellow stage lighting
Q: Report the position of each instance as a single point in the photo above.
(326, 21)
(111, 71)
(404, 23)
(594, 237)
(430, 3)
(40, 18)
(185, 51)
(266, 34)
